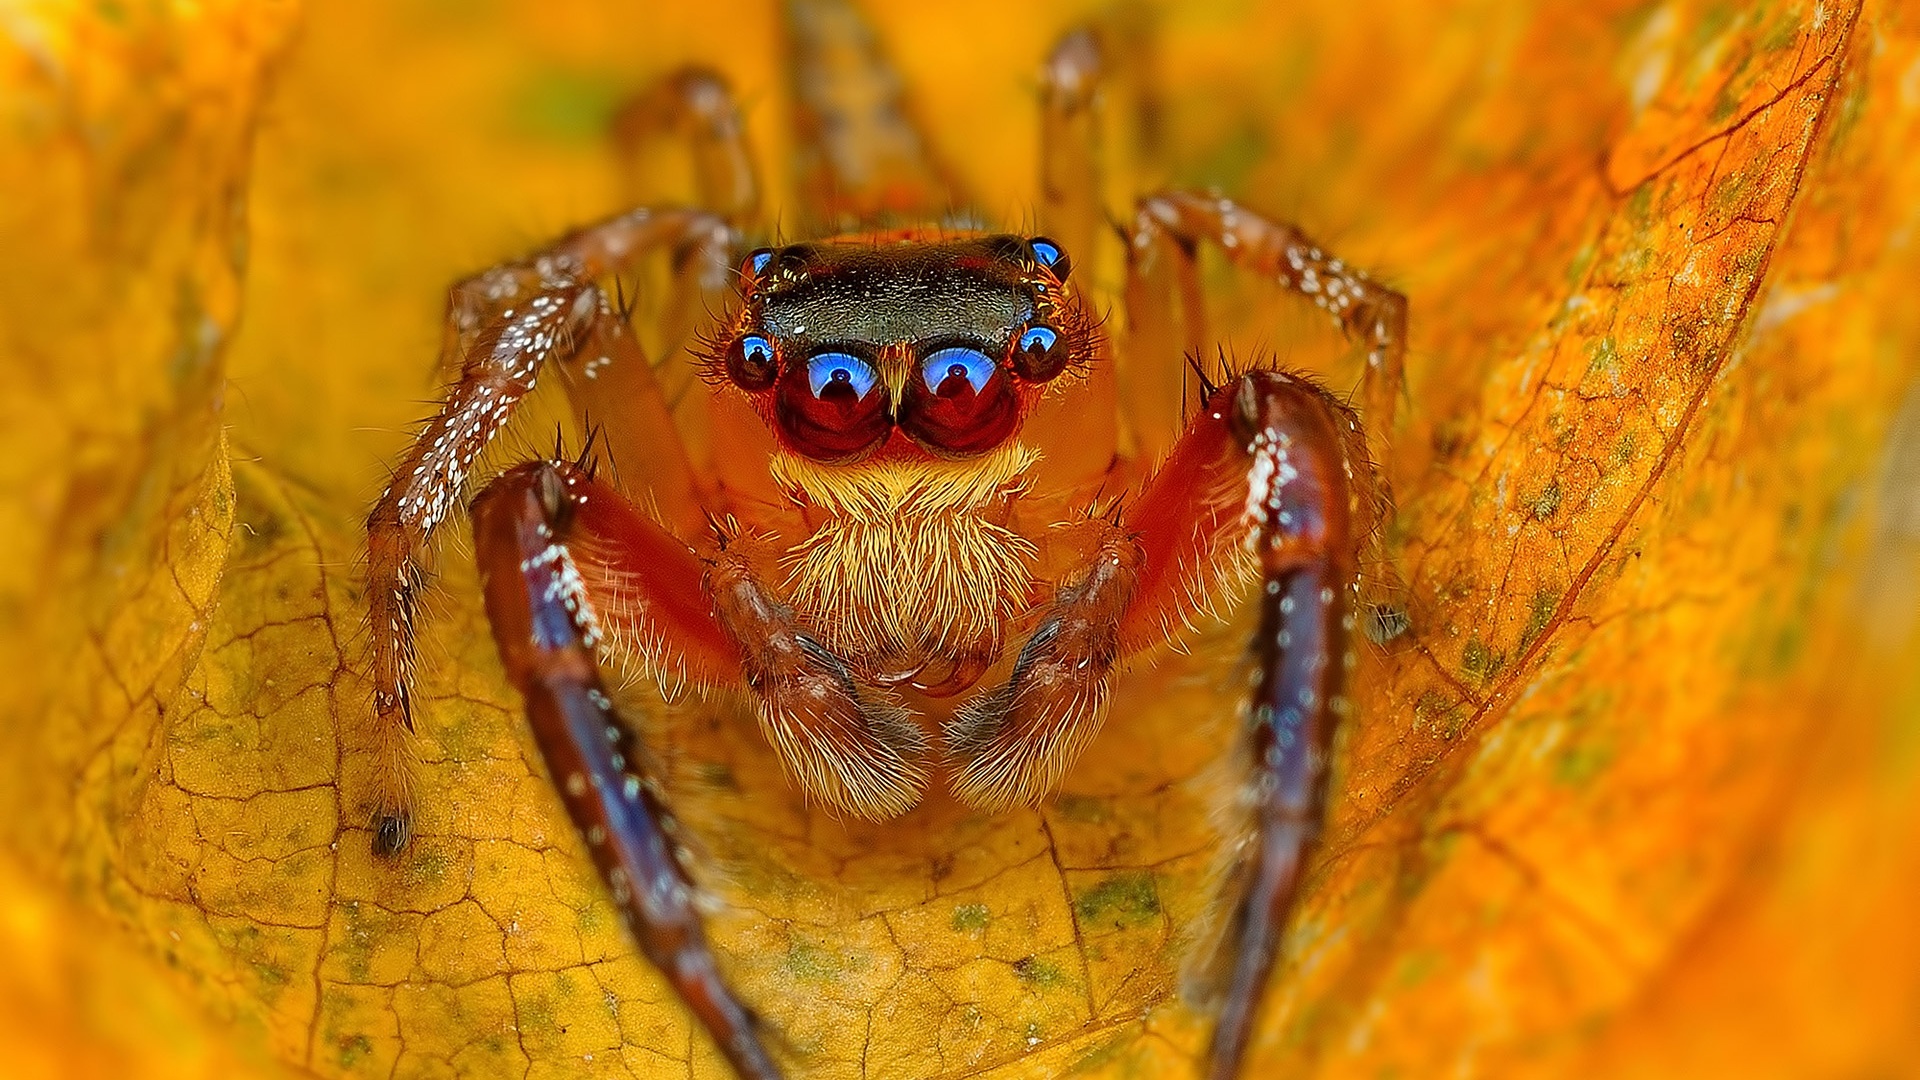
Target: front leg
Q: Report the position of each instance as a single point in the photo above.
(573, 570)
(549, 633)
(1270, 482)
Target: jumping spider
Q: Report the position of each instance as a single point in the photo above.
(883, 575)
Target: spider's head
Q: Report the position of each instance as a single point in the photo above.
(921, 347)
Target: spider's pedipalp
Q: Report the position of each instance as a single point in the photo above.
(850, 746)
(1011, 744)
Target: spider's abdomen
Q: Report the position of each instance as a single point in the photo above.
(913, 567)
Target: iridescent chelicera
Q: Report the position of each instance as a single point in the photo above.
(920, 549)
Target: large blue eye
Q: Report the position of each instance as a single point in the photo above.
(957, 362)
(838, 369)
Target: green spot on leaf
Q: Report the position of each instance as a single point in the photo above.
(1038, 974)
(1547, 503)
(971, 918)
(1120, 901)
(1480, 662)
(1545, 602)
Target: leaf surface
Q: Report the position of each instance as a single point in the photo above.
(1635, 790)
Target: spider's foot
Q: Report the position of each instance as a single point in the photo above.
(392, 831)
(392, 820)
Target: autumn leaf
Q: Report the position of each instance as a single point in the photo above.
(1635, 791)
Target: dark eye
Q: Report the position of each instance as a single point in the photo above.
(972, 365)
(961, 404)
(750, 362)
(832, 408)
(756, 262)
(1040, 354)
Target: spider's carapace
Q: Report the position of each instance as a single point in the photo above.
(921, 551)
(900, 347)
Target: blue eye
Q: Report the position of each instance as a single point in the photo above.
(1040, 337)
(970, 364)
(840, 369)
(1050, 255)
(757, 261)
(755, 349)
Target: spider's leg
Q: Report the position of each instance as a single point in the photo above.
(862, 157)
(1070, 143)
(695, 108)
(1167, 231)
(696, 105)
(506, 324)
(548, 632)
(427, 484)
(653, 428)
(1076, 432)
(1269, 482)
(1301, 460)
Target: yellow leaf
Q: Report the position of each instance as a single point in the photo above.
(1635, 792)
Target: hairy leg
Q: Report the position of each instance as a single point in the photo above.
(507, 324)
(1309, 511)
(549, 632)
(693, 107)
(863, 159)
(1269, 483)
(1167, 231)
(1070, 143)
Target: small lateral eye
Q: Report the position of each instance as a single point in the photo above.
(751, 363)
(1040, 355)
(1052, 256)
(840, 373)
(958, 362)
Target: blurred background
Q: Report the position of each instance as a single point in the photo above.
(1635, 795)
